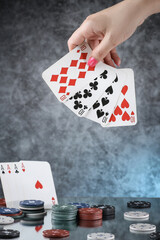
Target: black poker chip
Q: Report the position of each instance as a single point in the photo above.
(107, 209)
(138, 204)
(9, 233)
(155, 235)
(109, 217)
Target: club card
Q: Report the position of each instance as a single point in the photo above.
(125, 113)
(71, 72)
(83, 100)
(103, 108)
(28, 180)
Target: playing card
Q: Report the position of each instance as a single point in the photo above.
(125, 113)
(103, 108)
(71, 72)
(28, 180)
(83, 100)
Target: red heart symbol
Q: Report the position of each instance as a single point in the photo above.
(112, 118)
(9, 171)
(132, 113)
(23, 169)
(118, 111)
(124, 104)
(53, 198)
(124, 89)
(125, 116)
(38, 185)
(38, 228)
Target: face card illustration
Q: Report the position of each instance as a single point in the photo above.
(104, 106)
(125, 113)
(71, 72)
(83, 100)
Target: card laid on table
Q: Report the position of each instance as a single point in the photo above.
(71, 73)
(28, 180)
(103, 107)
(83, 100)
(125, 113)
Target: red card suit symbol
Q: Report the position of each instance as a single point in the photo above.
(38, 228)
(23, 169)
(124, 104)
(53, 200)
(124, 89)
(125, 116)
(112, 118)
(9, 171)
(38, 185)
(118, 111)
(132, 113)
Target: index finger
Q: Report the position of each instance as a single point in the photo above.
(76, 39)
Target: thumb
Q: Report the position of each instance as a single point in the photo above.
(101, 51)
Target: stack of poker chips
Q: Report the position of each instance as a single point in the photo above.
(108, 211)
(90, 214)
(64, 212)
(11, 212)
(33, 211)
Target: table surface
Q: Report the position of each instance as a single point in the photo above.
(117, 226)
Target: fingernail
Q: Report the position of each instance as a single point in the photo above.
(92, 62)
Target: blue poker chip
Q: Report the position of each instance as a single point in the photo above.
(80, 205)
(4, 210)
(31, 203)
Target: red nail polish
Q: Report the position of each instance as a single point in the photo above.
(92, 62)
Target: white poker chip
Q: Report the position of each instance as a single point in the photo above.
(137, 215)
(100, 236)
(142, 227)
(4, 220)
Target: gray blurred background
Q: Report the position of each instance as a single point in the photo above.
(86, 159)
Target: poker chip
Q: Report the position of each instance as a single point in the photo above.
(108, 217)
(9, 211)
(36, 215)
(155, 235)
(142, 228)
(31, 209)
(28, 222)
(90, 224)
(136, 215)
(31, 204)
(90, 213)
(138, 204)
(107, 209)
(80, 205)
(2, 202)
(9, 233)
(4, 220)
(62, 224)
(100, 236)
(64, 212)
(55, 233)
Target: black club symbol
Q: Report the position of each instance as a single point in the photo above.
(78, 95)
(104, 74)
(77, 104)
(87, 93)
(94, 85)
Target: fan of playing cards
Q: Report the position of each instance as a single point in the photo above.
(103, 94)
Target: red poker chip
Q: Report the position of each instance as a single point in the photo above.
(2, 202)
(90, 224)
(55, 233)
(90, 217)
(90, 211)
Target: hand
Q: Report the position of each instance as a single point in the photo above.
(108, 28)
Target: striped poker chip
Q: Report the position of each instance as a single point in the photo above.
(9, 211)
(155, 235)
(6, 220)
(138, 204)
(107, 209)
(31, 204)
(142, 227)
(9, 233)
(55, 233)
(137, 215)
(100, 236)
